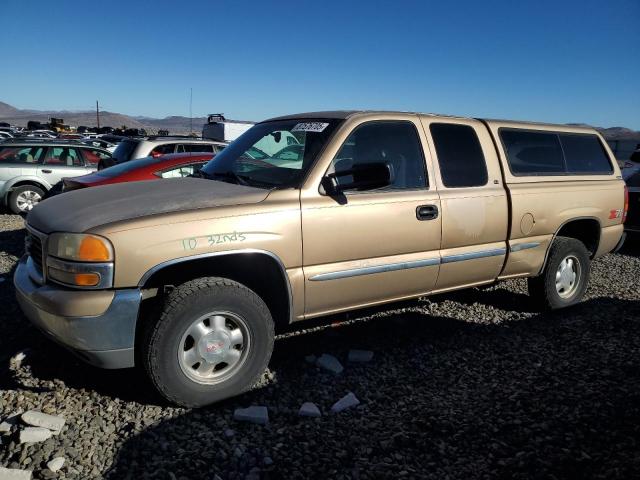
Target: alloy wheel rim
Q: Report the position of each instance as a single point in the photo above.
(567, 276)
(214, 347)
(27, 200)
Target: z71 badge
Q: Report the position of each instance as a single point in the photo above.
(617, 213)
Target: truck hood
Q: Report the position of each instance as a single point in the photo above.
(80, 210)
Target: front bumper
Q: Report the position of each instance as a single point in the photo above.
(105, 339)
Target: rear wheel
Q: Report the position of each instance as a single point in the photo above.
(213, 340)
(565, 276)
(24, 198)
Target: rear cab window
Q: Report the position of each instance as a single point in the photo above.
(460, 157)
(537, 153)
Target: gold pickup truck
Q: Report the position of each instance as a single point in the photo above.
(309, 215)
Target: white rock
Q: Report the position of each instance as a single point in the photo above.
(55, 464)
(18, 358)
(329, 362)
(9, 422)
(229, 433)
(348, 401)
(39, 419)
(34, 434)
(255, 414)
(309, 409)
(360, 356)
(14, 474)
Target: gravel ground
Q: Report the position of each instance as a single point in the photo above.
(476, 384)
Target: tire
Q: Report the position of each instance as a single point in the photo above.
(24, 198)
(174, 348)
(553, 289)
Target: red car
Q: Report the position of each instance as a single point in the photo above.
(149, 168)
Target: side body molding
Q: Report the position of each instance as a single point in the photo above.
(149, 273)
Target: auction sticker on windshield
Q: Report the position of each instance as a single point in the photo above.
(310, 127)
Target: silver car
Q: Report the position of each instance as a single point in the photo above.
(155, 146)
(31, 167)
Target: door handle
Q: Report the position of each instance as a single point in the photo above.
(46, 171)
(427, 212)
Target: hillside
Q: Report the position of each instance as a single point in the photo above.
(178, 124)
(175, 124)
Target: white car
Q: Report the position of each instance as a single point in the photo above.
(42, 134)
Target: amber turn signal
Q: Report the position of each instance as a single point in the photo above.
(86, 279)
(93, 249)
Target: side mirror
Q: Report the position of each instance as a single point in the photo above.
(362, 176)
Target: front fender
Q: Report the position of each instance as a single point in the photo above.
(9, 184)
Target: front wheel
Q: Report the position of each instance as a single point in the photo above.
(565, 276)
(213, 340)
(24, 198)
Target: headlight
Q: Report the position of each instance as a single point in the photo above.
(80, 247)
(80, 260)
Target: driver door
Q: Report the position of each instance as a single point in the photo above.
(370, 247)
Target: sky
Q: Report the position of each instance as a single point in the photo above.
(554, 61)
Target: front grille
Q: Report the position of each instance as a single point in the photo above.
(34, 249)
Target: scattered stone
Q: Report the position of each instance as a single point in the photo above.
(329, 362)
(360, 356)
(2, 279)
(39, 419)
(14, 474)
(34, 434)
(229, 433)
(254, 414)
(267, 461)
(309, 409)
(348, 401)
(18, 358)
(310, 359)
(10, 421)
(55, 464)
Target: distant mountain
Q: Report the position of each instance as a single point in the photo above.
(7, 110)
(175, 124)
(178, 124)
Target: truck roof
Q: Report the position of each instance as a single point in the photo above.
(344, 114)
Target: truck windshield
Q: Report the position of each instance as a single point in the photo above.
(274, 154)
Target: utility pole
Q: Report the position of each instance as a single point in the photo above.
(190, 111)
(98, 113)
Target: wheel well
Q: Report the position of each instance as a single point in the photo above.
(21, 183)
(257, 271)
(587, 230)
(28, 182)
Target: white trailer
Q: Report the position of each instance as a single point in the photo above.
(223, 130)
